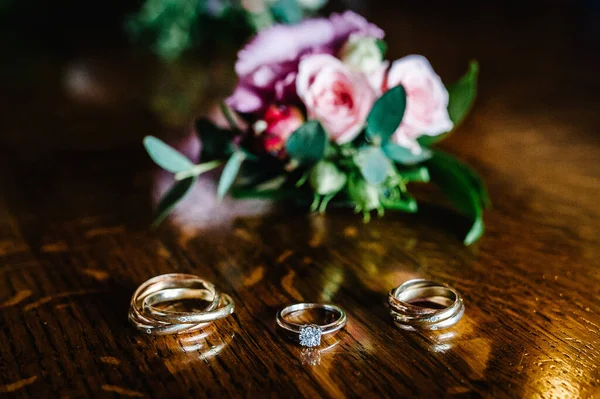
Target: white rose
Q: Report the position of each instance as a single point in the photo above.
(362, 53)
(426, 101)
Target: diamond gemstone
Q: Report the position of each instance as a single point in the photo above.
(310, 335)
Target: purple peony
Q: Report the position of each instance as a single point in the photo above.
(268, 65)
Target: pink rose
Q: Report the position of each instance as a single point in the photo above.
(268, 64)
(426, 101)
(338, 97)
(277, 125)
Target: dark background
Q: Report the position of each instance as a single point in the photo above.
(49, 47)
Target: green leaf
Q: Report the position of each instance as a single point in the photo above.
(166, 156)
(477, 183)
(448, 173)
(462, 96)
(217, 143)
(373, 164)
(405, 204)
(383, 47)
(230, 172)
(167, 203)
(287, 11)
(470, 175)
(325, 178)
(307, 144)
(405, 156)
(476, 232)
(419, 175)
(386, 115)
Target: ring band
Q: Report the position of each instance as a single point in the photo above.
(168, 316)
(147, 324)
(309, 335)
(409, 316)
(145, 316)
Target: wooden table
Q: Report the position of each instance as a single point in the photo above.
(75, 242)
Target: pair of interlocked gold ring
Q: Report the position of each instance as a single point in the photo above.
(444, 305)
(147, 316)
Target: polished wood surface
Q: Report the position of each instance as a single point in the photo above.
(76, 202)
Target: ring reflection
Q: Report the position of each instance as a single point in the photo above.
(312, 356)
(191, 348)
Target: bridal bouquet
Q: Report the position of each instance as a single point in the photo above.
(319, 116)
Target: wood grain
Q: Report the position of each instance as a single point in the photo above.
(75, 243)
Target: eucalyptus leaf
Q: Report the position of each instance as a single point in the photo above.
(405, 156)
(462, 96)
(167, 203)
(166, 156)
(373, 164)
(287, 11)
(308, 143)
(325, 178)
(230, 172)
(447, 173)
(386, 115)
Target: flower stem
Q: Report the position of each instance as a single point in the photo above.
(197, 170)
(325, 201)
(315, 204)
(229, 116)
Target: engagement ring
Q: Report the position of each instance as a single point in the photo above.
(309, 335)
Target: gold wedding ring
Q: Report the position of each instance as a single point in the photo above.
(146, 315)
(410, 312)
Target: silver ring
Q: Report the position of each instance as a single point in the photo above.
(408, 315)
(309, 335)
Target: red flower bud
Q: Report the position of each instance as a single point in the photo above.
(277, 125)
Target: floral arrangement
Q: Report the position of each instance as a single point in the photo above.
(319, 116)
(172, 26)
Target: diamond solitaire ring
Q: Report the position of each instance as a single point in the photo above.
(309, 335)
